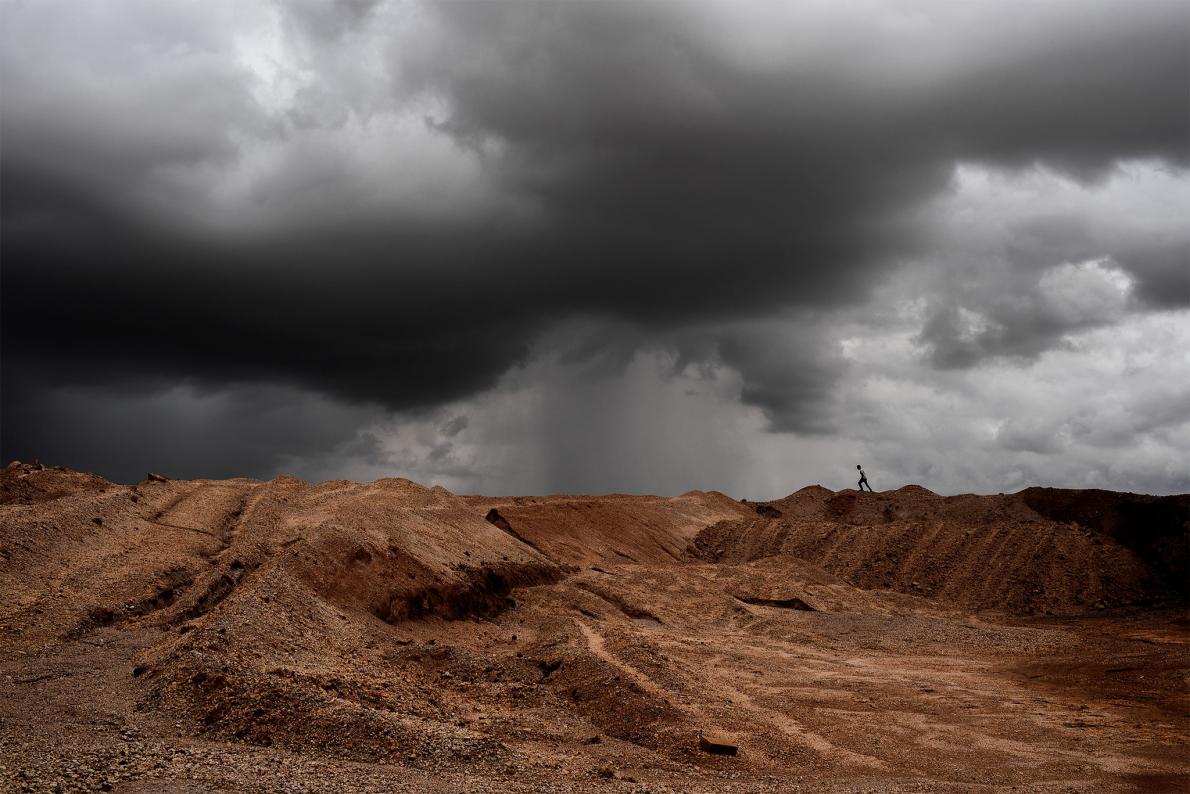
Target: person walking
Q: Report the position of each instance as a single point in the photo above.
(863, 480)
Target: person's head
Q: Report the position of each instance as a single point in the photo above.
(857, 465)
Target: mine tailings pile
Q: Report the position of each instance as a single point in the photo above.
(1042, 550)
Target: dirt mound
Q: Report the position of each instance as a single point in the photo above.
(30, 483)
(265, 589)
(586, 530)
(978, 552)
(91, 559)
(1154, 528)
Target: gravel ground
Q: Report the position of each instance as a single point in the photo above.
(246, 636)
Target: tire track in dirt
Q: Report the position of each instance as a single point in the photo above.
(115, 560)
(958, 682)
(206, 532)
(678, 700)
(800, 735)
(225, 508)
(213, 509)
(597, 644)
(216, 510)
(210, 508)
(240, 516)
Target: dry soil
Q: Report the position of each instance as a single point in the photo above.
(238, 635)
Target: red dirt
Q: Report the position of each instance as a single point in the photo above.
(28, 483)
(250, 636)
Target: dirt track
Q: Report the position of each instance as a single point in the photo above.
(247, 636)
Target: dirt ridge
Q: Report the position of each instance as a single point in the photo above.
(1023, 553)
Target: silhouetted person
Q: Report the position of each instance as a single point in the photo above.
(863, 480)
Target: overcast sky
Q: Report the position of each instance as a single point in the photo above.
(526, 247)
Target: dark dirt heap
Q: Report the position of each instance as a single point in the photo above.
(261, 636)
(1042, 550)
(28, 483)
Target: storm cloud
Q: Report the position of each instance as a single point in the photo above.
(404, 211)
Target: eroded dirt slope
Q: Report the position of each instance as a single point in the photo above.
(584, 530)
(1022, 553)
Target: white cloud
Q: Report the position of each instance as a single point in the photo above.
(1110, 410)
(1095, 291)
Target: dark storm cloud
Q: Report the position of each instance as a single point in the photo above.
(181, 431)
(626, 124)
(1163, 270)
(314, 312)
(666, 181)
(789, 367)
(792, 389)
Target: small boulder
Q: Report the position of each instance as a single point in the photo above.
(717, 745)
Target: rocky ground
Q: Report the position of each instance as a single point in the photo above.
(241, 635)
